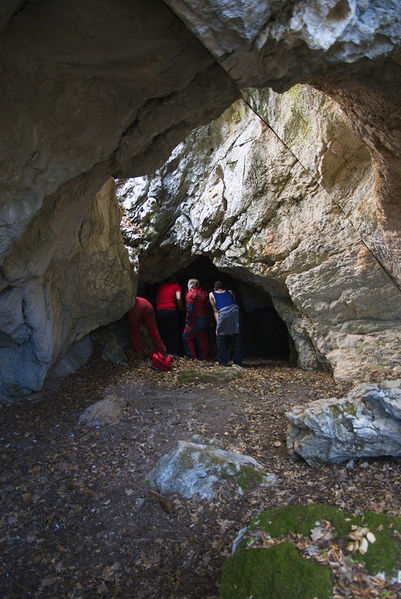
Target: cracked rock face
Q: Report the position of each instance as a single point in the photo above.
(235, 192)
(365, 423)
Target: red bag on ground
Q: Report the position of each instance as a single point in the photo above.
(160, 362)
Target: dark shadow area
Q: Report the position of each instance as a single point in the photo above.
(264, 334)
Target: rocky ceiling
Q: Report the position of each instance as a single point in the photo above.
(92, 89)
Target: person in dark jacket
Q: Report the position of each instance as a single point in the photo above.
(197, 322)
(226, 313)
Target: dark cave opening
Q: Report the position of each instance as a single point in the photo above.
(264, 334)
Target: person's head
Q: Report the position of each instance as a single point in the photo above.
(193, 283)
(218, 285)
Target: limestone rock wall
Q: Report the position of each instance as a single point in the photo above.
(88, 90)
(235, 192)
(68, 274)
(350, 50)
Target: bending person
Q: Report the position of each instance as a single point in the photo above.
(226, 313)
(143, 314)
(197, 322)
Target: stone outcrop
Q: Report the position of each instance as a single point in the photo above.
(68, 274)
(91, 90)
(196, 468)
(365, 423)
(291, 225)
(347, 49)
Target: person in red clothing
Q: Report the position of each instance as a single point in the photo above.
(197, 322)
(168, 302)
(143, 314)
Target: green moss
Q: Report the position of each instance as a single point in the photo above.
(385, 554)
(189, 376)
(348, 407)
(382, 556)
(279, 571)
(300, 519)
(249, 477)
(335, 410)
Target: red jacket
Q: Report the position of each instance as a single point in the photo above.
(197, 304)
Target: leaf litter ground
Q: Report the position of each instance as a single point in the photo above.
(77, 519)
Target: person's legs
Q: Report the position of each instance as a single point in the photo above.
(151, 326)
(237, 349)
(222, 349)
(199, 329)
(188, 340)
(170, 329)
(135, 335)
(203, 345)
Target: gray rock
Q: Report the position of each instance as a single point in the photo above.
(365, 423)
(193, 468)
(77, 356)
(234, 192)
(63, 268)
(103, 412)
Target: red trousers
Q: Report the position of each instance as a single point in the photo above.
(143, 314)
(197, 333)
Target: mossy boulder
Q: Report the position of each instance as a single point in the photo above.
(192, 468)
(216, 375)
(297, 552)
(277, 572)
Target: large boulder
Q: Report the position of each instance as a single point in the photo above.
(268, 216)
(314, 551)
(365, 423)
(198, 468)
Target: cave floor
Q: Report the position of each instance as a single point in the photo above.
(77, 520)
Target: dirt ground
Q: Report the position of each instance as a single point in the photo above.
(77, 520)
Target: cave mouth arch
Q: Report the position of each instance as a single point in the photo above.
(264, 334)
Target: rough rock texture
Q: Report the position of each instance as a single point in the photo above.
(196, 468)
(68, 274)
(88, 90)
(91, 90)
(234, 192)
(106, 411)
(365, 423)
(348, 49)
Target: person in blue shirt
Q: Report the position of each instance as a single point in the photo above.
(226, 313)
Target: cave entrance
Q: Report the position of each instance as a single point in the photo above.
(264, 334)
